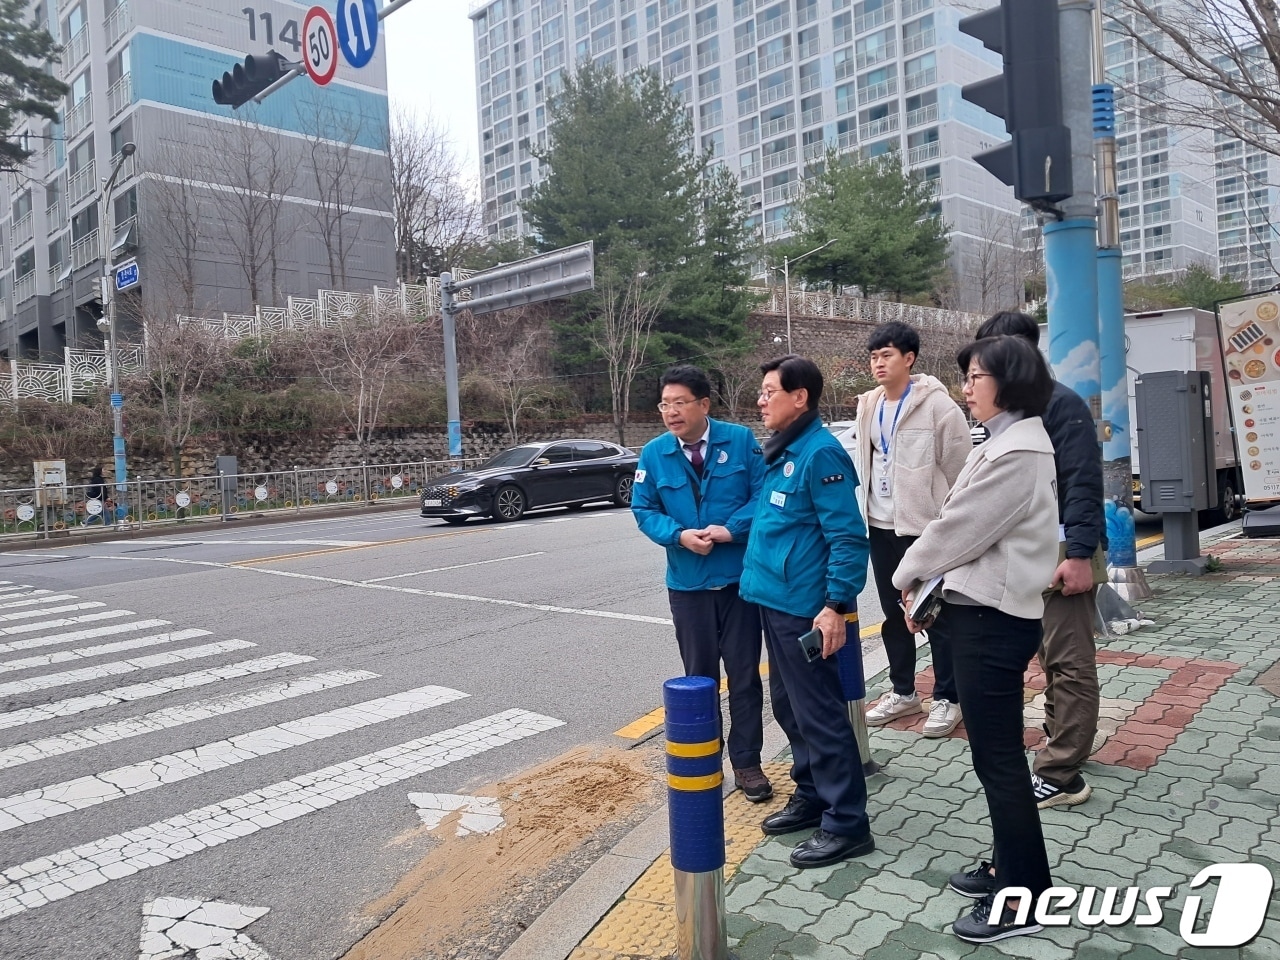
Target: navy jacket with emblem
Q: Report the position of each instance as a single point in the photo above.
(668, 498)
(808, 543)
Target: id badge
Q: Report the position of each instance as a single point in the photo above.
(882, 485)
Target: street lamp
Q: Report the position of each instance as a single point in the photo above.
(786, 282)
(107, 324)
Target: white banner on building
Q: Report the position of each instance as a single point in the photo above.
(1250, 333)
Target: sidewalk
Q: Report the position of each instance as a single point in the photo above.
(1187, 776)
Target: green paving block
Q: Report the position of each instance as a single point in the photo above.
(1203, 827)
(803, 945)
(738, 926)
(872, 899)
(846, 878)
(814, 878)
(835, 922)
(914, 891)
(927, 941)
(772, 869)
(1069, 936)
(1263, 948)
(810, 901)
(767, 911)
(763, 941)
(919, 826)
(746, 891)
(913, 860)
(1101, 945)
(940, 910)
(1033, 947)
(868, 934)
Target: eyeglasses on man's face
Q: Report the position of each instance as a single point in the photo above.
(768, 394)
(971, 379)
(674, 406)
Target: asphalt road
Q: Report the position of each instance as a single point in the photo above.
(238, 713)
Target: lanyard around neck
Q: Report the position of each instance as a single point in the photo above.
(893, 427)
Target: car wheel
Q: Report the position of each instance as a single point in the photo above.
(508, 503)
(454, 521)
(1227, 508)
(622, 490)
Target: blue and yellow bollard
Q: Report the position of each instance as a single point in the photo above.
(696, 812)
(853, 682)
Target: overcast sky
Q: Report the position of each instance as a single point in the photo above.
(431, 69)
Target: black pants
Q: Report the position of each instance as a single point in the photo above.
(716, 625)
(992, 650)
(887, 550)
(811, 710)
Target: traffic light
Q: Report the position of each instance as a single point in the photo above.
(1036, 162)
(246, 80)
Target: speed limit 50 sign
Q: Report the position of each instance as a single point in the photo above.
(319, 45)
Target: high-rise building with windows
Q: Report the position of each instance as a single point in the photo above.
(221, 210)
(770, 87)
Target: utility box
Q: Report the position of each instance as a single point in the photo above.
(1175, 441)
(228, 468)
(51, 482)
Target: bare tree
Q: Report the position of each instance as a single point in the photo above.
(629, 303)
(1000, 265)
(334, 172)
(357, 358)
(1230, 49)
(437, 218)
(844, 378)
(176, 208)
(509, 350)
(736, 374)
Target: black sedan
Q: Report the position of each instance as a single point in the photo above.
(561, 473)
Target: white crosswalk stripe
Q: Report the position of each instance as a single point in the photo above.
(117, 667)
(71, 636)
(45, 611)
(150, 688)
(170, 717)
(33, 624)
(102, 649)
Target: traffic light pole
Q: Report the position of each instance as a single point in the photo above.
(1070, 244)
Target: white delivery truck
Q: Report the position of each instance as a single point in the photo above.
(1185, 338)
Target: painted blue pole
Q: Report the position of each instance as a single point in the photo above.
(853, 682)
(696, 815)
(1071, 275)
(1114, 372)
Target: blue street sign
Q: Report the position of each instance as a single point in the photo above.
(126, 276)
(357, 22)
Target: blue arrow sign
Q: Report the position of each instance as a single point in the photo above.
(357, 22)
(126, 276)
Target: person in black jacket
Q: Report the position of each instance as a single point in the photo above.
(1067, 652)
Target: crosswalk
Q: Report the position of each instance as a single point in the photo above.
(54, 645)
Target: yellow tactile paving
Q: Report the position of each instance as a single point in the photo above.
(642, 923)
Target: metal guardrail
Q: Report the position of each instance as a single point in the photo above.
(34, 513)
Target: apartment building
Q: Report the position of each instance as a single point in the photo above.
(770, 86)
(220, 209)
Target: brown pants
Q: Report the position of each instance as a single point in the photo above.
(1068, 657)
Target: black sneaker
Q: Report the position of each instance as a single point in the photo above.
(976, 883)
(980, 927)
(755, 786)
(1050, 795)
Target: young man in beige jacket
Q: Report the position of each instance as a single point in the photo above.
(912, 443)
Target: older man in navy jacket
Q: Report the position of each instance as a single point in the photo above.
(695, 493)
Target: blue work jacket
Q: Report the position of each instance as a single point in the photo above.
(808, 544)
(668, 498)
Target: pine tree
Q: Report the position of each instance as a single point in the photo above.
(26, 90)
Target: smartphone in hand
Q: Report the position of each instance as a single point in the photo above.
(811, 645)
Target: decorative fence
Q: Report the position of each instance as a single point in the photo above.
(817, 304)
(31, 513)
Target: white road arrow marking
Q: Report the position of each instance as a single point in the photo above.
(173, 928)
(481, 814)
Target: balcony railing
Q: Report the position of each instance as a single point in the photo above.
(708, 59)
(878, 128)
(120, 95)
(925, 114)
(1160, 216)
(811, 116)
(744, 42)
(750, 105)
(23, 230)
(783, 192)
(779, 91)
(919, 41)
(911, 7)
(775, 228)
(776, 59)
(869, 58)
(83, 182)
(55, 271)
(815, 150)
(709, 89)
(76, 49)
(750, 172)
(873, 19)
(670, 40)
(924, 153)
(811, 82)
(78, 117)
(119, 23)
(775, 127)
(810, 48)
(748, 139)
(56, 214)
(704, 27)
(774, 25)
(1156, 193)
(745, 74)
(601, 16)
(24, 288)
(713, 119)
(847, 140)
(783, 158)
(924, 78)
(878, 91)
(1155, 169)
(743, 9)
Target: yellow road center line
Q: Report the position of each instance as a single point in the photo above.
(360, 546)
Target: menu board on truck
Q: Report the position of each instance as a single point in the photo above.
(1250, 333)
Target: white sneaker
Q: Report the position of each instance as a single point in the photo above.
(943, 718)
(893, 705)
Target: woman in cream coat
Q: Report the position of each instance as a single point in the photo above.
(995, 543)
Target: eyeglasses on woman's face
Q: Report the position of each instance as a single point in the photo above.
(971, 379)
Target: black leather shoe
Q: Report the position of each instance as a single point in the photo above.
(798, 814)
(823, 849)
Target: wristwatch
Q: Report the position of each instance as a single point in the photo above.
(836, 605)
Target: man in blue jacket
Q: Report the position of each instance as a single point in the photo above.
(695, 494)
(806, 564)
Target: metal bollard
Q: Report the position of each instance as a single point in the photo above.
(696, 813)
(853, 682)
